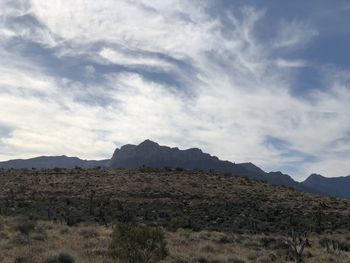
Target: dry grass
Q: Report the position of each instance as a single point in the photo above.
(208, 246)
(84, 243)
(89, 243)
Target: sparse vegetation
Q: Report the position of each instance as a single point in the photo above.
(205, 217)
(172, 199)
(90, 243)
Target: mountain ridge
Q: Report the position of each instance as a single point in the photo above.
(50, 162)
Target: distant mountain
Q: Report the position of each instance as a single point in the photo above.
(151, 154)
(286, 180)
(336, 186)
(49, 162)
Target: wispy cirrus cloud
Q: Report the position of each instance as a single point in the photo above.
(82, 77)
(294, 34)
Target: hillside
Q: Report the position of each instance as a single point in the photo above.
(195, 200)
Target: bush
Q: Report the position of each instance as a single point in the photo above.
(39, 237)
(26, 227)
(23, 259)
(60, 258)
(137, 244)
(202, 260)
(334, 245)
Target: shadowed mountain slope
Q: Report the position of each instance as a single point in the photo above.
(336, 186)
(153, 155)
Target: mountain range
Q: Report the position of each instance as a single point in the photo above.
(50, 162)
(151, 154)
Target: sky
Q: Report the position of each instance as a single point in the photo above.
(266, 82)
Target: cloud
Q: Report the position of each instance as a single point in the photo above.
(290, 63)
(171, 71)
(294, 34)
(133, 60)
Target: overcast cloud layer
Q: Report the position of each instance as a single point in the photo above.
(240, 81)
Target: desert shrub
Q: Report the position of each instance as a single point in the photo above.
(225, 239)
(235, 260)
(273, 243)
(88, 233)
(252, 256)
(65, 231)
(39, 237)
(202, 260)
(26, 227)
(126, 216)
(334, 245)
(208, 249)
(24, 256)
(60, 258)
(22, 259)
(20, 240)
(137, 244)
(218, 260)
(344, 246)
(267, 258)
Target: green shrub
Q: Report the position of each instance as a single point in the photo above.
(137, 244)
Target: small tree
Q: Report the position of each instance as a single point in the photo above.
(297, 245)
(137, 244)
